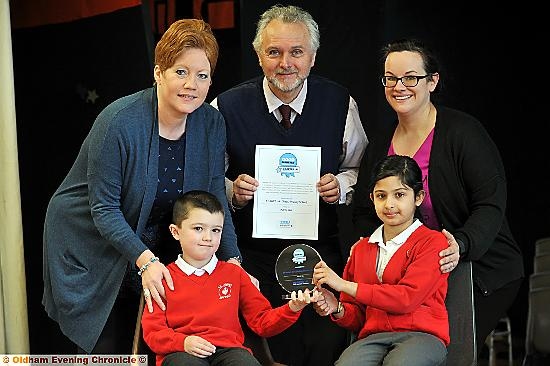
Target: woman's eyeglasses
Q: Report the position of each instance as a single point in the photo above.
(409, 80)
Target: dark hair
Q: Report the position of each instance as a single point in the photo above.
(195, 199)
(429, 58)
(403, 167)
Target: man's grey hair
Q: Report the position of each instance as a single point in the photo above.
(288, 14)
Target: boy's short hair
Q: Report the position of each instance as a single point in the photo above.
(195, 199)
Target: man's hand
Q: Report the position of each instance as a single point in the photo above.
(329, 188)
(243, 190)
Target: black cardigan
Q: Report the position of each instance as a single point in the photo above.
(468, 192)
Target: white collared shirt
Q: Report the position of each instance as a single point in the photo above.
(189, 269)
(273, 103)
(388, 249)
(353, 145)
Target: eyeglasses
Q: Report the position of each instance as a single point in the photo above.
(409, 80)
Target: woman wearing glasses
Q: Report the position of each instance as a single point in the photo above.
(463, 176)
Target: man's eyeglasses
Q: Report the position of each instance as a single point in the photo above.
(409, 80)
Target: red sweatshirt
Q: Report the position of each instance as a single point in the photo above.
(208, 306)
(411, 296)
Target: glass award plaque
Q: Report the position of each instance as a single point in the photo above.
(294, 268)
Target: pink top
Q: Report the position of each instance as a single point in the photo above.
(422, 157)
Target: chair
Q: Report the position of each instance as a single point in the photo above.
(541, 263)
(501, 333)
(537, 346)
(138, 345)
(539, 280)
(540, 300)
(462, 350)
(257, 344)
(542, 246)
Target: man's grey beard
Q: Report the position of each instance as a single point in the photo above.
(284, 87)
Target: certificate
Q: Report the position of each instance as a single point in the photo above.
(286, 203)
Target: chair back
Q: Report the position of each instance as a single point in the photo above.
(541, 263)
(542, 246)
(136, 343)
(540, 300)
(462, 350)
(538, 315)
(538, 321)
(539, 280)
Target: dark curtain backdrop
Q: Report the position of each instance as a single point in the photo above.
(57, 68)
(65, 74)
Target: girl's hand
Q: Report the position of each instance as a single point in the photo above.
(324, 275)
(326, 303)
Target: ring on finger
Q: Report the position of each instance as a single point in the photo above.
(146, 293)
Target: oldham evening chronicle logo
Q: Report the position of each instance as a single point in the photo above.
(288, 165)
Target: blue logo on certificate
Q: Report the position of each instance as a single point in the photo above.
(285, 223)
(288, 165)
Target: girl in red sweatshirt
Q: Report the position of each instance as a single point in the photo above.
(392, 292)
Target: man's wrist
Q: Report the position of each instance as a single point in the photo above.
(338, 200)
(234, 204)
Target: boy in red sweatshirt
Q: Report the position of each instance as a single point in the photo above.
(201, 322)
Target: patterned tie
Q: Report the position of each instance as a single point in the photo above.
(285, 112)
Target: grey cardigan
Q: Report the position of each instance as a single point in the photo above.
(95, 218)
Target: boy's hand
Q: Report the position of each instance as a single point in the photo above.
(301, 299)
(198, 346)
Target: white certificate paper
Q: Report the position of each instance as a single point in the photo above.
(286, 203)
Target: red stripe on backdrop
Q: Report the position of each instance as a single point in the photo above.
(219, 14)
(32, 13)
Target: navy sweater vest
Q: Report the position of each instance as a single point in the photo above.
(249, 123)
